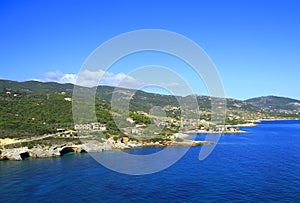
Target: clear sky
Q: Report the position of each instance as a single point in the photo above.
(255, 44)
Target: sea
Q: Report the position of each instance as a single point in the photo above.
(262, 165)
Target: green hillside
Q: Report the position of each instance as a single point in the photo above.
(35, 108)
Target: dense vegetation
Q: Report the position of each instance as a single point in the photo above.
(34, 108)
(31, 114)
(24, 114)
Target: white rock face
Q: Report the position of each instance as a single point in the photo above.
(95, 147)
(14, 154)
(54, 151)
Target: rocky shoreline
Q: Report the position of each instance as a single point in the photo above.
(92, 146)
(218, 132)
(18, 154)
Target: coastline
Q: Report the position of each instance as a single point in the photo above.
(21, 153)
(274, 119)
(216, 132)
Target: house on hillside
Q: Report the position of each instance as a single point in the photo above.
(136, 131)
(68, 99)
(70, 133)
(83, 127)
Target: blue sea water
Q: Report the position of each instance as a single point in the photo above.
(260, 166)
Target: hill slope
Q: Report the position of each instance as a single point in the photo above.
(34, 108)
(274, 103)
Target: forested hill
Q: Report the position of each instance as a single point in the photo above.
(30, 108)
(267, 103)
(275, 103)
(35, 86)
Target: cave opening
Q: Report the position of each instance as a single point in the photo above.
(24, 155)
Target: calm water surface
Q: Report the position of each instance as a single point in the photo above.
(261, 166)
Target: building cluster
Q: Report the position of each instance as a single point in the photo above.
(90, 126)
(80, 127)
(9, 93)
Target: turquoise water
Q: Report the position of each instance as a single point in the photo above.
(261, 166)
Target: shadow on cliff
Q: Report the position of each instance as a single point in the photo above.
(71, 149)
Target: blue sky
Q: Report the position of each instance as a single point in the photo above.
(255, 45)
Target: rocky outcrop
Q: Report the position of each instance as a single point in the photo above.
(125, 140)
(92, 146)
(192, 143)
(133, 144)
(55, 151)
(71, 149)
(13, 154)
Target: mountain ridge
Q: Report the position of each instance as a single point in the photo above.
(144, 101)
(27, 86)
